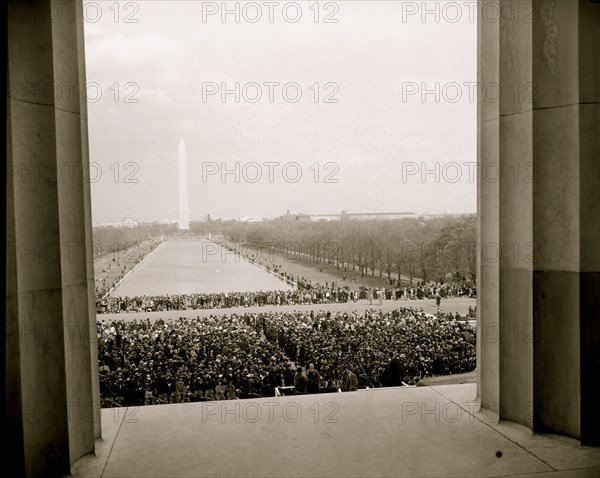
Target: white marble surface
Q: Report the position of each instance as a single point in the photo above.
(424, 431)
(556, 191)
(515, 58)
(516, 191)
(555, 53)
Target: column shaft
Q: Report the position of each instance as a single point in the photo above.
(50, 401)
(548, 209)
(72, 217)
(35, 295)
(488, 311)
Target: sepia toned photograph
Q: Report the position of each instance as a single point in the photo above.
(312, 238)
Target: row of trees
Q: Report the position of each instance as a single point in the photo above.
(115, 239)
(440, 249)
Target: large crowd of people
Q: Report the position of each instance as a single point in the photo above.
(238, 356)
(144, 362)
(365, 343)
(221, 300)
(305, 292)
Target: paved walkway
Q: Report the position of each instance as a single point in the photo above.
(460, 305)
(396, 432)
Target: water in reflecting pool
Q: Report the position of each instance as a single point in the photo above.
(186, 267)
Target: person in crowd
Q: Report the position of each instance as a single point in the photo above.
(230, 391)
(350, 383)
(220, 390)
(300, 382)
(162, 388)
(181, 389)
(314, 379)
(149, 397)
(210, 395)
(395, 371)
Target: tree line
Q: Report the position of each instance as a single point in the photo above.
(116, 239)
(440, 249)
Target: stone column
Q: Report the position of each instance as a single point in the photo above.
(589, 217)
(37, 364)
(48, 364)
(66, 37)
(488, 310)
(548, 204)
(566, 205)
(515, 202)
(90, 252)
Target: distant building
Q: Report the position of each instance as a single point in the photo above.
(366, 216)
(251, 219)
(359, 216)
(127, 222)
(427, 217)
(293, 217)
(377, 216)
(325, 217)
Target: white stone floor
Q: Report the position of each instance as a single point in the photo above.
(408, 432)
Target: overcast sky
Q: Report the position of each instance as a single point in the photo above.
(375, 61)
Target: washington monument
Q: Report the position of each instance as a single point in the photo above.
(184, 217)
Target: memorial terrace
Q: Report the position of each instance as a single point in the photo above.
(435, 431)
